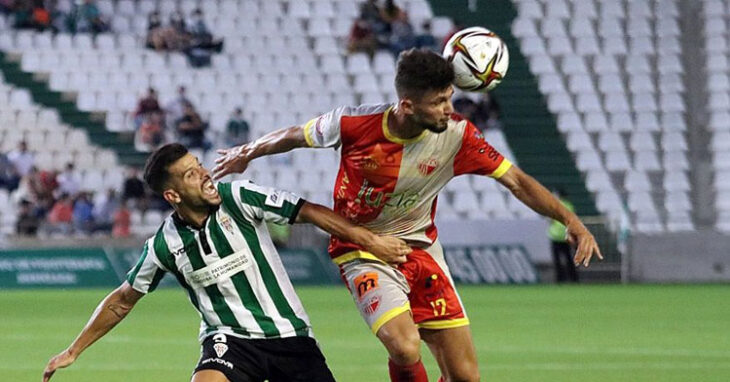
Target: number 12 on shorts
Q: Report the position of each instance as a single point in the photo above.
(439, 307)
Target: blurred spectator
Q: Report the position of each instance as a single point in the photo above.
(426, 38)
(362, 38)
(166, 37)
(61, 215)
(369, 11)
(485, 113)
(69, 181)
(21, 158)
(41, 16)
(191, 129)
(28, 222)
(237, 129)
(122, 220)
(133, 188)
(392, 12)
(6, 6)
(83, 217)
(9, 176)
(176, 108)
(146, 105)
(104, 210)
(402, 36)
(89, 18)
(151, 133)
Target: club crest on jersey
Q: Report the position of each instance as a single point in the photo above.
(225, 221)
(427, 166)
(372, 306)
(220, 349)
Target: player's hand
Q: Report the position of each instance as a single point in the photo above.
(579, 237)
(389, 249)
(60, 361)
(233, 160)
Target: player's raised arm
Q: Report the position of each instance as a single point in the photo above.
(389, 249)
(536, 196)
(236, 159)
(107, 315)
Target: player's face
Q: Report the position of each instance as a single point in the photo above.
(433, 110)
(192, 183)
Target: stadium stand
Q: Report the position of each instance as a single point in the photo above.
(611, 73)
(283, 62)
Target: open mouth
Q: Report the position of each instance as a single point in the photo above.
(209, 189)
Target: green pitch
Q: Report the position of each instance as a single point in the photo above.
(542, 333)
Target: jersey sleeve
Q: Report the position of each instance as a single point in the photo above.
(476, 156)
(324, 131)
(145, 276)
(266, 203)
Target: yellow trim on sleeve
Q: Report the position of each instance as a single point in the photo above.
(387, 316)
(349, 256)
(392, 137)
(444, 324)
(307, 130)
(503, 167)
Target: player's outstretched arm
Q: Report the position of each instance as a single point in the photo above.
(389, 249)
(536, 196)
(236, 159)
(115, 306)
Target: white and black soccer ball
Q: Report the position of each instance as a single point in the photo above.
(480, 59)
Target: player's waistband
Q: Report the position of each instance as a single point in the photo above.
(354, 255)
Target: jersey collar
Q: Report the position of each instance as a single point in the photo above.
(395, 139)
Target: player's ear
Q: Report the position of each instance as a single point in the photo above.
(406, 105)
(171, 196)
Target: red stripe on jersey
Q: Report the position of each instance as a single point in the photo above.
(368, 173)
(475, 156)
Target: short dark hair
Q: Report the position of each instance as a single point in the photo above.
(155, 170)
(421, 70)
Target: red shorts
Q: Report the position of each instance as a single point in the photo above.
(434, 301)
(422, 285)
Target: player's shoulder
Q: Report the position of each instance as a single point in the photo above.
(363, 110)
(458, 124)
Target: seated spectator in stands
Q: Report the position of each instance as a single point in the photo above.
(83, 217)
(175, 109)
(201, 36)
(89, 18)
(22, 159)
(30, 187)
(392, 12)
(61, 215)
(402, 36)
(362, 38)
(41, 17)
(488, 113)
(191, 129)
(6, 6)
(237, 129)
(122, 220)
(155, 31)
(69, 182)
(9, 176)
(426, 38)
(104, 210)
(151, 133)
(28, 221)
(133, 187)
(146, 105)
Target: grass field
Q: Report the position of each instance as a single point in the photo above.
(538, 333)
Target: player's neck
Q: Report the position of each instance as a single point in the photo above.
(192, 217)
(401, 127)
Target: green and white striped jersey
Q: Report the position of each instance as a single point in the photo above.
(230, 268)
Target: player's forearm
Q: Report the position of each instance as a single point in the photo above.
(279, 141)
(107, 315)
(335, 224)
(533, 194)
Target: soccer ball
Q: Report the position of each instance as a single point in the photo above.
(480, 59)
